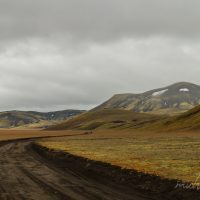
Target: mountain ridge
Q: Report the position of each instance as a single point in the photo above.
(175, 98)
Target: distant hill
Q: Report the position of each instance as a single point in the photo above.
(173, 99)
(108, 119)
(10, 119)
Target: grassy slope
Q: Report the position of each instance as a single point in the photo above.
(189, 120)
(123, 119)
(108, 119)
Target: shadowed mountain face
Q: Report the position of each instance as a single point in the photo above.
(10, 119)
(172, 99)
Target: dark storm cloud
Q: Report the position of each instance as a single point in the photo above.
(58, 54)
(98, 19)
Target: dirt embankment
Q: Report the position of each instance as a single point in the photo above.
(152, 186)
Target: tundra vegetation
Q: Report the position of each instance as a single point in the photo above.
(172, 155)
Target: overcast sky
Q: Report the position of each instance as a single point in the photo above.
(63, 54)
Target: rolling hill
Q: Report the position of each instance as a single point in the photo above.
(108, 119)
(10, 119)
(124, 119)
(188, 121)
(173, 99)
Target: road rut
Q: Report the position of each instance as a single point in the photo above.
(25, 175)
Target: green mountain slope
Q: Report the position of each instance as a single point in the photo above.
(173, 99)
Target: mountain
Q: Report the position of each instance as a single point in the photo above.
(11, 119)
(108, 119)
(172, 99)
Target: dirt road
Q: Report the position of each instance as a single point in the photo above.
(26, 175)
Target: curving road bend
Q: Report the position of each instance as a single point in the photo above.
(26, 175)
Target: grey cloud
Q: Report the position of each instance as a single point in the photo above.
(98, 20)
(49, 79)
(77, 53)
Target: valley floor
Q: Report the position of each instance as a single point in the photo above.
(168, 155)
(12, 134)
(54, 167)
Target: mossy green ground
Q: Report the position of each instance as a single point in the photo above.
(169, 155)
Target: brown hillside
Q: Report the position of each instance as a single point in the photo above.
(107, 119)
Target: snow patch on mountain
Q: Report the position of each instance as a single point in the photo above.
(159, 92)
(184, 90)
